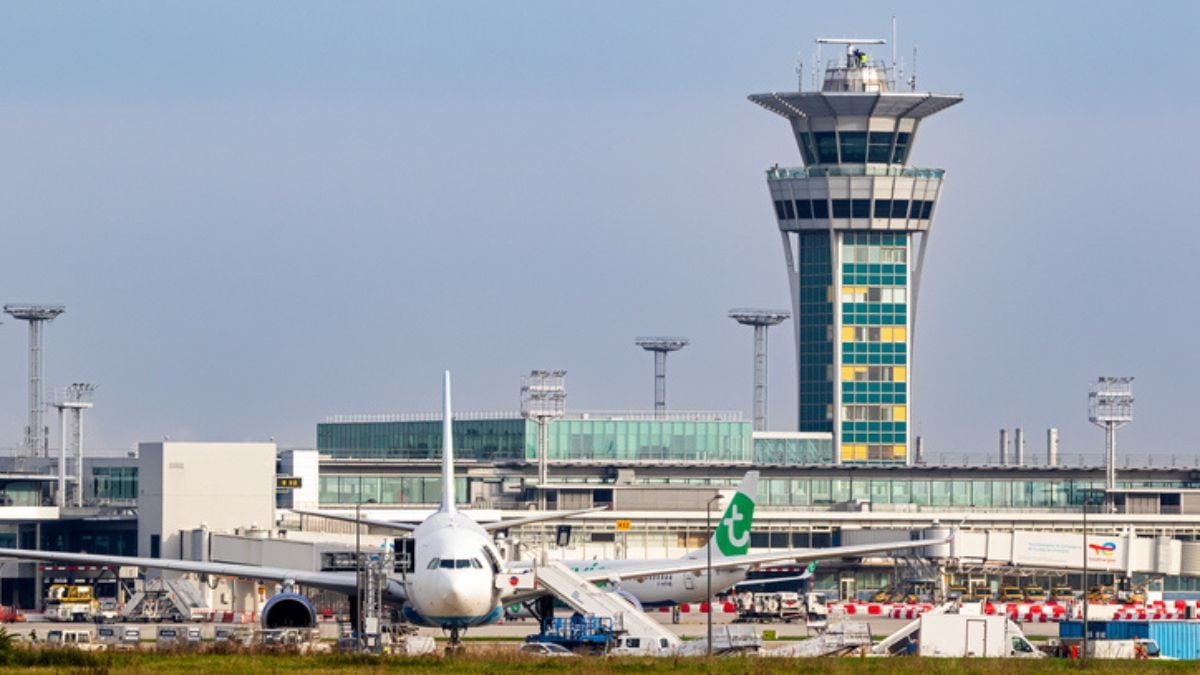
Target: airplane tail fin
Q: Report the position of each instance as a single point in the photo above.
(731, 535)
(448, 501)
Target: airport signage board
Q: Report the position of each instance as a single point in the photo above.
(287, 482)
(624, 525)
(1058, 550)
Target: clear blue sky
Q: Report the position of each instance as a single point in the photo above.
(259, 214)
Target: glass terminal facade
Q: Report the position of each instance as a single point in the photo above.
(584, 440)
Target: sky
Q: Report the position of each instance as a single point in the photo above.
(261, 214)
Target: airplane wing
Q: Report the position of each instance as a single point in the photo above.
(800, 555)
(489, 527)
(342, 582)
(373, 522)
(541, 517)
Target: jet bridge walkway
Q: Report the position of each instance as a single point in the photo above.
(585, 597)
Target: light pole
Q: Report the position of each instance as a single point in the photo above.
(708, 565)
(1083, 653)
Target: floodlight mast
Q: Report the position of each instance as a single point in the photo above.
(543, 398)
(36, 315)
(660, 346)
(1110, 406)
(760, 319)
(71, 402)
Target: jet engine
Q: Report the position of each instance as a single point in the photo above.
(288, 610)
(630, 597)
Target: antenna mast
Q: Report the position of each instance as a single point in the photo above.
(893, 45)
(913, 80)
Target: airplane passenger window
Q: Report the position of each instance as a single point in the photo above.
(433, 564)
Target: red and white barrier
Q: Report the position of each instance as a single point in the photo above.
(702, 608)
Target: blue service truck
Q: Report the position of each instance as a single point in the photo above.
(578, 633)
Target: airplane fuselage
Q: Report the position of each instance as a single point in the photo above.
(452, 584)
(657, 590)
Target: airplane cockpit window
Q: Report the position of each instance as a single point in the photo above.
(455, 564)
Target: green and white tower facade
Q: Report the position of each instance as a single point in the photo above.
(849, 219)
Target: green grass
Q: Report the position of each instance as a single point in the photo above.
(483, 659)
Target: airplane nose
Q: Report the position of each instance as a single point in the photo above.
(459, 595)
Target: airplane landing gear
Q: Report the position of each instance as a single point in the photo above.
(456, 645)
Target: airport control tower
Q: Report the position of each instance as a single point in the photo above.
(848, 218)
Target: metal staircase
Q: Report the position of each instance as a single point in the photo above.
(164, 599)
(585, 597)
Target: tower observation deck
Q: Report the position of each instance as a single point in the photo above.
(849, 220)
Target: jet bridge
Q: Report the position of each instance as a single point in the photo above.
(585, 597)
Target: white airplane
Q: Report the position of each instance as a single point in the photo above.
(458, 579)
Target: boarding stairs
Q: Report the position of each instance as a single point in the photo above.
(843, 637)
(586, 598)
(164, 598)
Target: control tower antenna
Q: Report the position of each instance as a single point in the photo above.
(36, 315)
(1110, 406)
(760, 319)
(893, 43)
(912, 81)
(660, 346)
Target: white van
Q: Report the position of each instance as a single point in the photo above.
(73, 639)
(633, 645)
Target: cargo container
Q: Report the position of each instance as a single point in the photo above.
(1176, 639)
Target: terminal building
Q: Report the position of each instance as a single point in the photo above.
(854, 221)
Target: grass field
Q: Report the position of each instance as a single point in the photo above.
(20, 660)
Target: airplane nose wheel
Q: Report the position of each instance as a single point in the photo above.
(456, 645)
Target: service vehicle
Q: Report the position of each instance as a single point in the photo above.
(106, 611)
(232, 635)
(1011, 594)
(963, 635)
(579, 632)
(816, 611)
(73, 639)
(772, 607)
(1035, 594)
(1063, 593)
(70, 602)
(544, 649)
(981, 593)
(637, 645)
(1124, 649)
